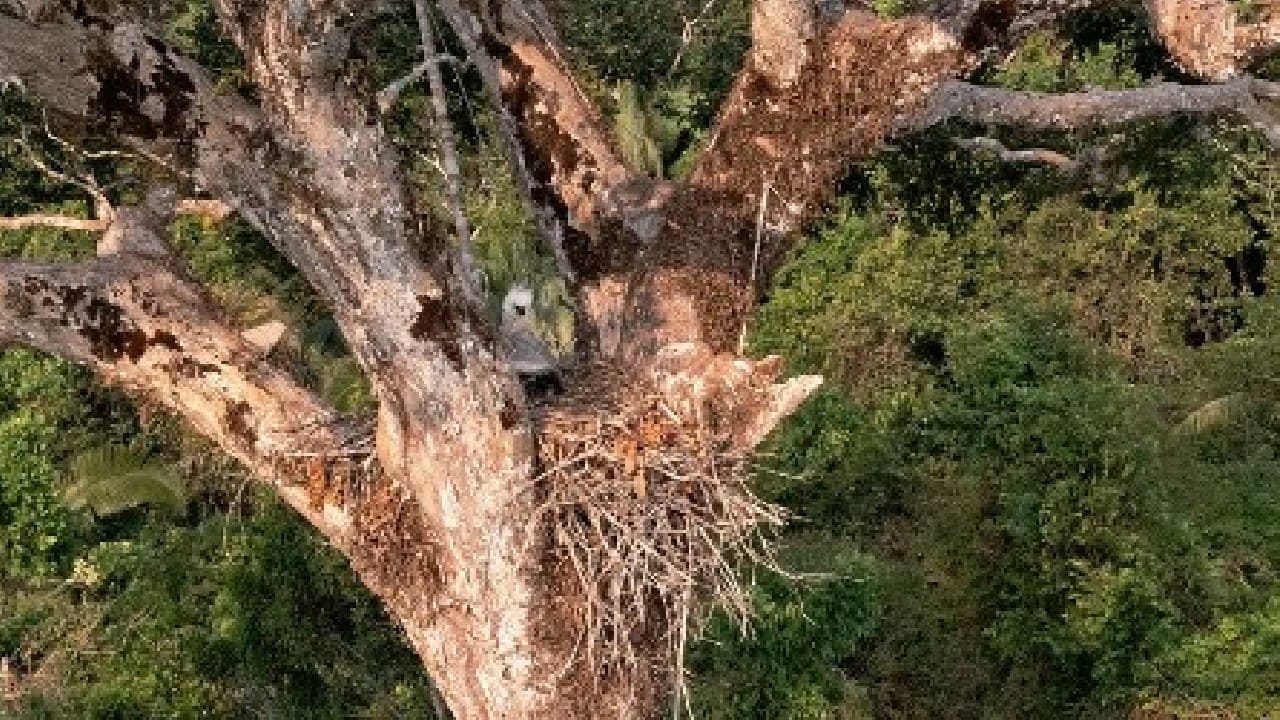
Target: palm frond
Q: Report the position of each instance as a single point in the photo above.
(111, 479)
(635, 132)
(1215, 413)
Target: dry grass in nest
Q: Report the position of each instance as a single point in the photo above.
(652, 511)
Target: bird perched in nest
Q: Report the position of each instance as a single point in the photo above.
(535, 363)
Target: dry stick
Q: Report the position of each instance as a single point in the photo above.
(1062, 161)
(87, 183)
(62, 222)
(686, 36)
(448, 151)
(388, 96)
(755, 263)
(550, 228)
(644, 562)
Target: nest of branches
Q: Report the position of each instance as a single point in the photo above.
(646, 501)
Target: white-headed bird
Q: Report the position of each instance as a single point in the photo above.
(536, 365)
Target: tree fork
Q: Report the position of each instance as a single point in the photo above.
(440, 528)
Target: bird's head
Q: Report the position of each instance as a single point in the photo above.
(517, 306)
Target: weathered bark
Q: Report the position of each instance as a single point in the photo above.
(134, 316)
(1243, 97)
(315, 172)
(665, 274)
(62, 222)
(1208, 39)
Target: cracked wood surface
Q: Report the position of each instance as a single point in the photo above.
(141, 322)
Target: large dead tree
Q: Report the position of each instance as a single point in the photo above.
(534, 558)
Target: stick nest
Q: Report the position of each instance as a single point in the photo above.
(644, 498)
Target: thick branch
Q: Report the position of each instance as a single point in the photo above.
(803, 126)
(1256, 40)
(141, 322)
(1069, 111)
(560, 146)
(780, 34)
(314, 170)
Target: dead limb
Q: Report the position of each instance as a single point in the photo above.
(1044, 156)
(212, 209)
(61, 222)
(388, 96)
(469, 273)
(142, 323)
(1097, 108)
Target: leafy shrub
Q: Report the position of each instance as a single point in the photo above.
(788, 665)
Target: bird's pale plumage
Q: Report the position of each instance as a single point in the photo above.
(519, 342)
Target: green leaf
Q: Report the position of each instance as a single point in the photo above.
(110, 479)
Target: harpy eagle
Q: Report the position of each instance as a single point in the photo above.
(535, 363)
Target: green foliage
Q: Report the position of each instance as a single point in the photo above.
(654, 133)
(1236, 658)
(40, 408)
(510, 252)
(192, 27)
(1044, 63)
(640, 41)
(50, 244)
(109, 480)
(256, 285)
(1052, 427)
(248, 617)
(786, 665)
(225, 606)
(838, 465)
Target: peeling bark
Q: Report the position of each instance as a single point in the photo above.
(142, 323)
(1207, 38)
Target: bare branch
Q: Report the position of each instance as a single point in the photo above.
(687, 34)
(532, 87)
(211, 209)
(1070, 111)
(388, 96)
(471, 33)
(1044, 156)
(84, 181)
(62, 222)
(448, 155)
